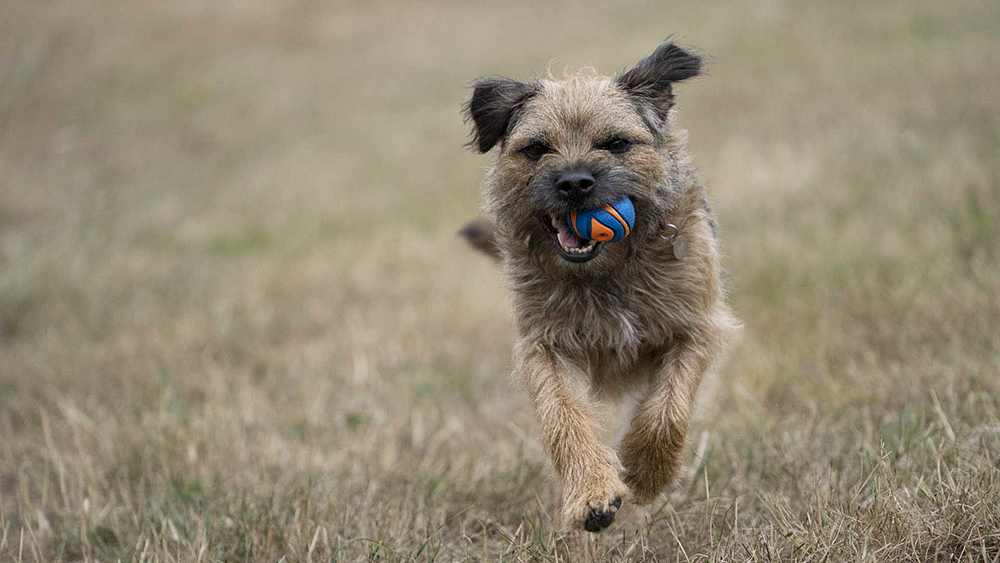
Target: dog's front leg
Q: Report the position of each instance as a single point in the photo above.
(653, 446)
(588, 469)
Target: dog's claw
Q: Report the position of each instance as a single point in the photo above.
(598, 519)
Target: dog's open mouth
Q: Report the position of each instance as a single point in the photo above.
(571, 247)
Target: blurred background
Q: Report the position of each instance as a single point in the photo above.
(236, 322)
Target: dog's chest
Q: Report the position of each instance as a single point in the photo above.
(581, 317)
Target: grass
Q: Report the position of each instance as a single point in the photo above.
(235, 322)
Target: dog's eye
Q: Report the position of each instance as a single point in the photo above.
(535, 151)
(617, 146)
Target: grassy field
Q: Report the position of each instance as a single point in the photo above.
(236, 322)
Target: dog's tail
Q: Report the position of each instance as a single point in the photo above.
(481, 234)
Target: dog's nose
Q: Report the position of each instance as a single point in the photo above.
(575, 185)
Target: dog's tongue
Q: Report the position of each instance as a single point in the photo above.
(567, 238)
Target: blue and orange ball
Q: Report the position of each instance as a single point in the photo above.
(606, 224)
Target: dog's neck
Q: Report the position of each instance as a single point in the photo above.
(644, 298)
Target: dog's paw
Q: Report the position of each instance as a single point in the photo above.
(594, 510)
(650, 466)
(598, 519)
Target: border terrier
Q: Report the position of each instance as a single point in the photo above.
(633, 324)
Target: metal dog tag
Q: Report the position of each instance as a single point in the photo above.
(680, 244)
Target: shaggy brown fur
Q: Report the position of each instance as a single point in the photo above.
(634, 325)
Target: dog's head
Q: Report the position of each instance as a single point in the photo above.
(580, 143)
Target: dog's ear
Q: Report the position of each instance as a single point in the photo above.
(651, 79)
(493, 109)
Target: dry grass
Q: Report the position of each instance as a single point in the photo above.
(235, 322)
